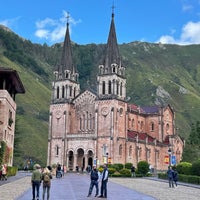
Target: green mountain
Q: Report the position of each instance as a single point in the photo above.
(156, 74)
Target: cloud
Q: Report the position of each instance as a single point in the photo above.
(54, 30)
(9, 22)
(186, 8)
(190, 35)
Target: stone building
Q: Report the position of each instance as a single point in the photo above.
(10, 85)
(87, 127)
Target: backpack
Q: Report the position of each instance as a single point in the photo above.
(46, 178)
(94, 175)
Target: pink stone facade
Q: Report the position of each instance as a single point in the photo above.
(7, 121)
(93, 131)
(97, 127)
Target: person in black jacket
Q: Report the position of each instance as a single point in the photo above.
(175, 176)
(94, 177)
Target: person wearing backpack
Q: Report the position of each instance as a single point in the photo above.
(46, 178)
(94, 177)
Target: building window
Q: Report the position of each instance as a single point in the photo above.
(121, 89)
(63, 91)
(104, 149)
(80, 123)
(58, 93)
(167, 127)
(152, 126)
(109, 87)
(74, 91)
(117, 87)
(130, 150)
(120, 149)
(57, 150)
(132, 123)
(70, 91)
(103, 87)
(10, 119)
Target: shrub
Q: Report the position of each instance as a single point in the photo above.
(12, 171)
(116, 174)
(128, 165)
(184, 168)
(195, 168)
(111, 171)
(143, 168)
(118, 166)
(125, 172)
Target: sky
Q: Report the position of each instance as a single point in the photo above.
(44, 21)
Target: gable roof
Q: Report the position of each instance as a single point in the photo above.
(12, 77)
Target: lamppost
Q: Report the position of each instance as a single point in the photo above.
(169, 153)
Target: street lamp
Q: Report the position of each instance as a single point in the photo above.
(169, 153)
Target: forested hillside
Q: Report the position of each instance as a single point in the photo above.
(156, 74)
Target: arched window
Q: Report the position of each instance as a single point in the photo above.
(57, 150)
(80, 123)
(130, 151)
(70, 91)
(63, 91)
(90, 121)
(103, 87)
(83, 122)
(152, 126)
(132, 123)
(167, 127)
(87, 120)
(121, 89)
(109, 87)
(120, 149)
(74, 91)
(58, 93)
(117, 87)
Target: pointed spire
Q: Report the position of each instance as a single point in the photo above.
(112, 51)
(66, 58)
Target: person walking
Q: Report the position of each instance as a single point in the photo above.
(170, 177)
(94, 177)
(132, 171)
(36, 180)
(104, 182)
(175, 176)
(46, 178)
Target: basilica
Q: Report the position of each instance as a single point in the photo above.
(97, 127)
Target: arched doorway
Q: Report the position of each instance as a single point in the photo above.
(90, 158)
(71, 160)
(80, 159)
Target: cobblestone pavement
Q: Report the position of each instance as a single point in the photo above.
(75, 187)
(160, 189)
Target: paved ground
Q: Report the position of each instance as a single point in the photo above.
(75, 187)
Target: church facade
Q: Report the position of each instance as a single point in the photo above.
(87, 127)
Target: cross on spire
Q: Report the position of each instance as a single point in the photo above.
(113, 9)
(68, 16)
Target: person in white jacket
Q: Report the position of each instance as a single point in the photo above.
(104, 182)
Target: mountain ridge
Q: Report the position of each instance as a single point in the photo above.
(156, 74)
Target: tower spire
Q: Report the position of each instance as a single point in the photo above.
(112, 51)
(66, 63)
(111, 78)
